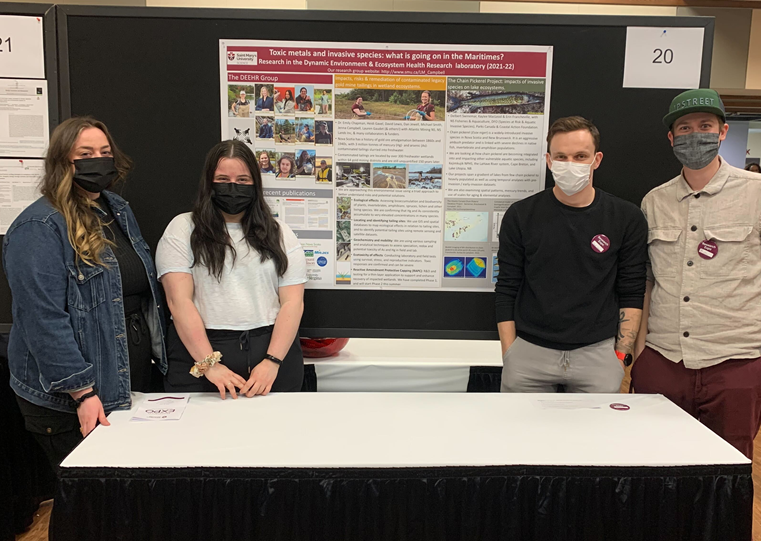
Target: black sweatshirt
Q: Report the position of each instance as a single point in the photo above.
(562, 292)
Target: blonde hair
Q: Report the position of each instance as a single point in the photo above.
(84, 228)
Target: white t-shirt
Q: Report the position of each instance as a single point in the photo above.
(247, 295)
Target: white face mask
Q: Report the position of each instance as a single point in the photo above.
(571, 177)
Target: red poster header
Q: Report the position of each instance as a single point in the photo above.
(279, 78)
(386, 62)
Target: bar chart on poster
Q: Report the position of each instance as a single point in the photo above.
(391, 162)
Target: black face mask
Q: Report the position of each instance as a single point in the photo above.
(95, 174)
(232, 198)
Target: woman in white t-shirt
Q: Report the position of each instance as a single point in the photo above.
(234, 278)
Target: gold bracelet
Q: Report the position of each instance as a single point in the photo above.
(199, 368)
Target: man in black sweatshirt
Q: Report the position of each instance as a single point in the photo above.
(571, 275)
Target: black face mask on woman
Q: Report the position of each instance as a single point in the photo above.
(232, 198)
(95, 174)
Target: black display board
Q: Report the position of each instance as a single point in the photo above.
(152, 75)
(48, 14)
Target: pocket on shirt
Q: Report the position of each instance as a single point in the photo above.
(663, 249)
(86, 287)
(731, 261)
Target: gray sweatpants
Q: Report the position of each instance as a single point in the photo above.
(527, 368)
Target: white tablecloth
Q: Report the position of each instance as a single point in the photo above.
(308, 430)
(387, 365)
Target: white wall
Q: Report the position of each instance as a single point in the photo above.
(754, 142)
(735, 145)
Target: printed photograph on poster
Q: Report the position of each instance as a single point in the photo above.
(285, 131)
(343, 231)
(286, 165)
(305, 130)
(324, 135)
(285, 104)
(343, 208)
(305, 99)
(244, 136)
(495, 96)
(494, 268)
(23, 118)
(475, 267)
(267, 160)
(323, 98)
(343, 273)
(390, 104)
(466, 226)
(343, 251)
(352, 175)
(390, 175)
(265, 127)
(305, 163)
(324, 169)
(454, 267)
(264, 98)
(239, 100)
(424, 176)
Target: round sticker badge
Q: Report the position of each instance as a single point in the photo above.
(619, 407)
(708, 249)
(600, 244)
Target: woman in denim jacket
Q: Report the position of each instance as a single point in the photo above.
(88, 322)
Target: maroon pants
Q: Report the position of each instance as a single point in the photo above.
(725, 397)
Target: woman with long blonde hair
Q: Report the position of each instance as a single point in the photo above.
(88, 322)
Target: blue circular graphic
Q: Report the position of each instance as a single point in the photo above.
(322, 261)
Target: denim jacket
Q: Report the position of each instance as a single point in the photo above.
(68, 330)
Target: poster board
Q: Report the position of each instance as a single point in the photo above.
(165, 113)
(26, 85)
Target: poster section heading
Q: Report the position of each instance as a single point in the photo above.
(474, 60)
(392, 163)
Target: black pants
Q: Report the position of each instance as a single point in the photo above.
(58, 432)
(241, 352)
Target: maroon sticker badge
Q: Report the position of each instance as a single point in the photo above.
(708, 249)
(619, 407)
(600, 244)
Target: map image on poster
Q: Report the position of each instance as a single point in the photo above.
(392, 163)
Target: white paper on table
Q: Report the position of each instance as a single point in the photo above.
(19, 188)
(24, 126)
(21, 47)
(167, 408)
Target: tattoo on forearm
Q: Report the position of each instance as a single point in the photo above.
(621, 320)
(628, 327)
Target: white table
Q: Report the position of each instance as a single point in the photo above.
(405, 465)
(398, 365)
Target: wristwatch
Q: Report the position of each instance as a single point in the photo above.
(85, 396)
(626, 358)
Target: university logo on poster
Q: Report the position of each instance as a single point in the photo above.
(243, 58)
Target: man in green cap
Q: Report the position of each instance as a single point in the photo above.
(700, 339)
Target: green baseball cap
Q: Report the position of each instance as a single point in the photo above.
(698, 100)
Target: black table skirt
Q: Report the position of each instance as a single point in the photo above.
(405, 504)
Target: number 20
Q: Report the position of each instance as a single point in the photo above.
(662, 56)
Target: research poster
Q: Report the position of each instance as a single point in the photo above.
(392, 163)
